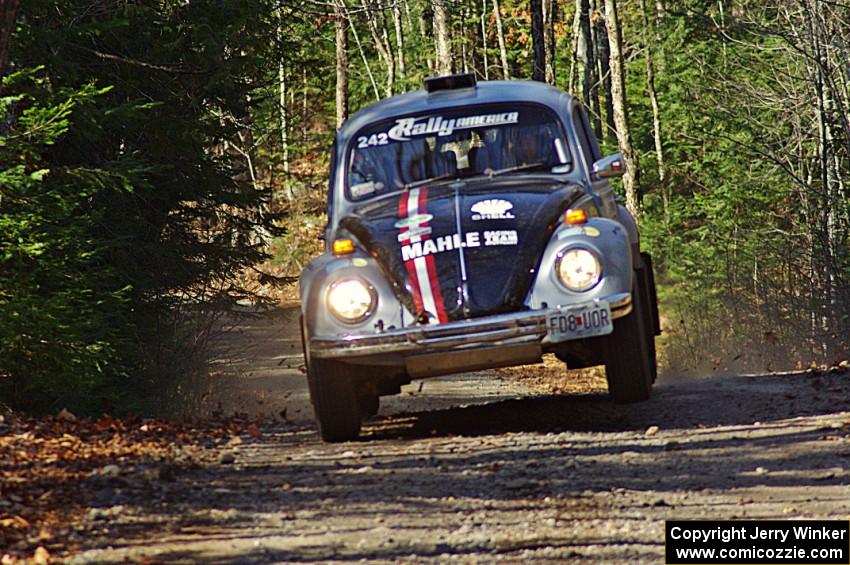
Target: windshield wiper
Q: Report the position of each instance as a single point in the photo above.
(524, 167)
(420, 182)
(463, 173)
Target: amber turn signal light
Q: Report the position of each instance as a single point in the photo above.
(343, 247)
(578, 216)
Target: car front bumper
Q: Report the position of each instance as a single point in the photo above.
(504, 331)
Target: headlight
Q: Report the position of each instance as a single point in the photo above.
(351, 300)
(579, 269)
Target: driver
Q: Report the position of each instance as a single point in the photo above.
(525, 151)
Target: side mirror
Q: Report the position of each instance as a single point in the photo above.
(610, 166)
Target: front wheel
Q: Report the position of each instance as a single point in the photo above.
(650, 309)
(334, 400)
(628, 360)
(334, 396)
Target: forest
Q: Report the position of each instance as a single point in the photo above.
(157, 157)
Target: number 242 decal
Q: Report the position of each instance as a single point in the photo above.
(375, 139)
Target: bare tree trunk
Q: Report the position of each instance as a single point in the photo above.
(304, 90)
(441, 37)
(381, 41)
(589, 90)
(284, 114)
(538, 42)
(470, 36)
(407, 15)
(484, 38)
(245, 146)
(656, 113)
(621, 119)
(399, 39)
(464, 48)
(8, 15)
(604, 69)
(549, 7)
(423, 32)
(360, 49)
(284, 118)
(385, 41)
(827, 151)
(506, 71)
(578, 57)
(341, 63)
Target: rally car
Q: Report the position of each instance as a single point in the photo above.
(471, 226)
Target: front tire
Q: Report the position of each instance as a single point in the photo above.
(334, 396)
(646, 283)
(628, 366)
(334, 400)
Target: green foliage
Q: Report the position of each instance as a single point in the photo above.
(742, 237)
(61, 307)
(121, 209)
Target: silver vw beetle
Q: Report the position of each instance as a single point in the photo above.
(471, 226)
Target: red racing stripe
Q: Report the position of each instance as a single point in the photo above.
(432, 267)
(411, 269)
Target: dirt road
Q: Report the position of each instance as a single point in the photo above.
(482, 469)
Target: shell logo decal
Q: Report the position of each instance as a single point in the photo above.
(492, 209)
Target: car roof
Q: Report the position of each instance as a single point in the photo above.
(485, 92)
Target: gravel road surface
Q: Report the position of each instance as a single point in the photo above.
(479, 468)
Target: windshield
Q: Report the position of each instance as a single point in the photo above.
(465, 142)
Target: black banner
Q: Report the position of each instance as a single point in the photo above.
(762, 542)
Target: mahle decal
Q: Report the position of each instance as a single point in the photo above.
(456, 241)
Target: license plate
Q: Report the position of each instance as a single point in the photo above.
(579, 321)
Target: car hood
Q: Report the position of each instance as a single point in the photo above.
(462, 250)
